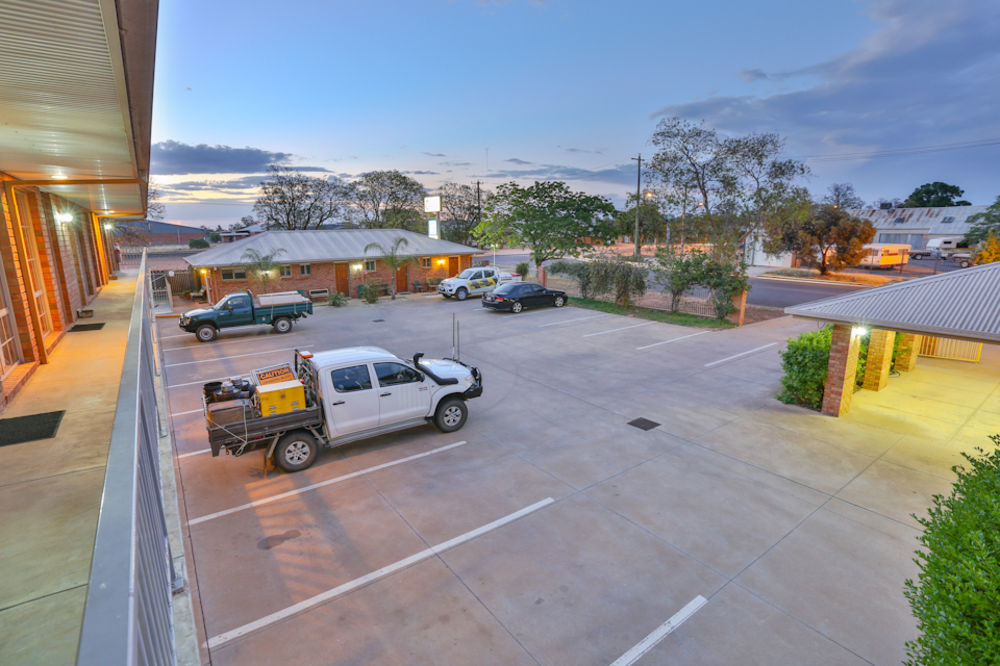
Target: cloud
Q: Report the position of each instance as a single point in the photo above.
(751, 75)
(456, 164)
(582, 151)
(174, 157)
(434, 154)
(623, 174)
(421, 172)
(515, 160)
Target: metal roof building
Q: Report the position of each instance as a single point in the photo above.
(324, 246)
(915, 226)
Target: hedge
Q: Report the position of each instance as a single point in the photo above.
(805, 362)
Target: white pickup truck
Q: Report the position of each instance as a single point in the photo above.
(350, 394)
(475, 281)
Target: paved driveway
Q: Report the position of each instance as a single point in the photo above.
(549, 530)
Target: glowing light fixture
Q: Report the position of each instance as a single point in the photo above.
(440, 262)
(60, 176)
(108, 226)
(204, 271)
(63, 218)
(357, 267)
(859, 331)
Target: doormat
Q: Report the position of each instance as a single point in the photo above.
(643, 424)
(86, 327)
(29, 428)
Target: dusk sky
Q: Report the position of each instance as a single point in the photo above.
(886, 95)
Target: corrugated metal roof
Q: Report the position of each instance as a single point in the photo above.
(325, 245)
(930, 221)
(960, 304)
(155, 227)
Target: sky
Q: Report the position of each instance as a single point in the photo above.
(883, 94)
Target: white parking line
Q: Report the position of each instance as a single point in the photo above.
(663, 342)
(349, 586)
(217, 343)
(180, 335)
(567, 321)
(321, 484)
(194, 453)
(658, 634)
(215, 360)
(200, 381)
(190, 411)
(615, 330)
(730, 358)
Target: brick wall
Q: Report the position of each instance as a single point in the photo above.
(841, 371)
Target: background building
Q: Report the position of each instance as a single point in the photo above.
(916, 226)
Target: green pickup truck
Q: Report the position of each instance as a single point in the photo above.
(243, 309)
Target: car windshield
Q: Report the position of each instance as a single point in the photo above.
(221, 304)
(467, 273)
(505, 289)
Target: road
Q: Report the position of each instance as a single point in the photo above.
(783, 293)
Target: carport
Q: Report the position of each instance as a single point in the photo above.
(946, 316)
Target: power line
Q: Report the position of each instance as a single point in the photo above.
(895, 152)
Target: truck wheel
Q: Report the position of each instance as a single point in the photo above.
(462, 293)
(282, 324)
(206, 333)
(295, 451)
(451, 414)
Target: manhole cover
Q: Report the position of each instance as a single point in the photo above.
(643, 424)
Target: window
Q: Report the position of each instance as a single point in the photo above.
(899, 220)
(305, 269)
(425, 262)
(390, 374)
(369, 266)
(239, 302)
(286, 271)
(947, 220)
(234, 274)
(354, 378)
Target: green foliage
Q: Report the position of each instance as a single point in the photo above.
(957, 596)
(627, 280)
(336, 299)
(678, 274)
(828, 238)
(652, 223)
(805, 362)
(934, 194)
(578, 270)
(983, 224)
(388, 200)
(215, 237)
(726, 281)
(990, 253)
(262, 268)
(392, 258)
(653, 314)
(547, 217)
(370, 292)
(197, 243)
(522, 269)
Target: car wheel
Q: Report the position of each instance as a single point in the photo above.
(451, 414)
(282, 324)
(462, 294)
(559, 301)
(295, 451)
(206, 333)
(516, 307)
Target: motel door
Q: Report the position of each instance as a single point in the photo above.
(401, 279)
(340, 276)
(452, 266)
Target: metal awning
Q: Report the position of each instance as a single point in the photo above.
(962, 304)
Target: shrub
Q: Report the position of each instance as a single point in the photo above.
(805, 362)
(726, 281)
(522, 269)
(957, 598)
(336, 299)
(626, 279)
(197, 243)
(370, 292)
(678, 273)
(578, 270)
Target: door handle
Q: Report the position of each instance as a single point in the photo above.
(339, 402)
(382, 395)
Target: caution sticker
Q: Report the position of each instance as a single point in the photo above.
(274, 374)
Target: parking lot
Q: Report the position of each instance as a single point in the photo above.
(549, 530)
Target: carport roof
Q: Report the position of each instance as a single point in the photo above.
(325, 245)
(961, 304)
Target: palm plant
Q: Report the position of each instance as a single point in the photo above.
(261, 268)
(392, 258)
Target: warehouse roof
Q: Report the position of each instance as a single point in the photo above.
(940, 220)
(154, 227)
(960, 304)
(325, 245)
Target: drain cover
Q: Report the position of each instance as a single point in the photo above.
(86, 327)
(643, 424)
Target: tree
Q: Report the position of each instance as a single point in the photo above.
(388, 200)
(461, 211)
(626, 278)
(990, 253)
(392, 258)
(842, 195)
(547, 217)
(261, 268)
(652, 223)
(983, 224)
(292, 200)
(155, 208)
(678, 273)
(935, 194)
(830, 238)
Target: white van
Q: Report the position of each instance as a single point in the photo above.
(943, 247)
(885, 255)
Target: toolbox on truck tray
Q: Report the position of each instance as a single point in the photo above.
(281, 398)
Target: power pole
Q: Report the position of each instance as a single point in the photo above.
(638, 198)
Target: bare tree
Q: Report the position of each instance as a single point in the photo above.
(388, 200)
(155, 208)
(292, 200)
(461, 210)
(842, 195)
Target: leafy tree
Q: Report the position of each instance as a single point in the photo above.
(934, 194)
(983, 224)
(262, 268)
(652, 223)
(842, 195)
(197, 243)
(678, 273)
(990, 253)
(547, 217)
(829, 239)
(292, 200)
(392, 258)
(461, 211)
(388, 200)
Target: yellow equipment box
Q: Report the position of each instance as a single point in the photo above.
(281, 398)
(274, 374)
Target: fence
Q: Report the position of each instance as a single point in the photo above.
(951, 349)
(128, 617)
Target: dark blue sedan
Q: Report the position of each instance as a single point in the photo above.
(516, 296)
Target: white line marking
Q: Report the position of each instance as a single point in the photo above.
(190, 411)
(658, 634)
(615, 330)
(215, 360)
(566, 321)
(217, 343)
(349, 586)
(180, 335)
(432, 296)
(194, 453)
(200, 381)
(321, 484)
(663, 342)
(730, 358)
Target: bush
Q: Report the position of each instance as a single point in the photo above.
(370, 292)
(578, 270)
(958, 596)
(197, 243)
(725, 281)
(805, 362)
(522, 269)
(678, 273)
(626, 279)
(336, 299)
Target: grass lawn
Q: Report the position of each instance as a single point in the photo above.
(679, 318)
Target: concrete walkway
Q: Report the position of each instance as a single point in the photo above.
(51, 489)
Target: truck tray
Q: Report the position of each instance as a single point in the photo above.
(226, 428)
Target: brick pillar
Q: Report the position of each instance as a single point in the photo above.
(906, 353)
(840, 371)
(542, 277)
(879, 359)
(740, 303)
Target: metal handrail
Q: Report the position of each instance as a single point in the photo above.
(128, 617)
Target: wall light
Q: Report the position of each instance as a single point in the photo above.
(64, 218)
(440, 262)
(357, 267)
(108, 226)
(859, 331)
(204, 271)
